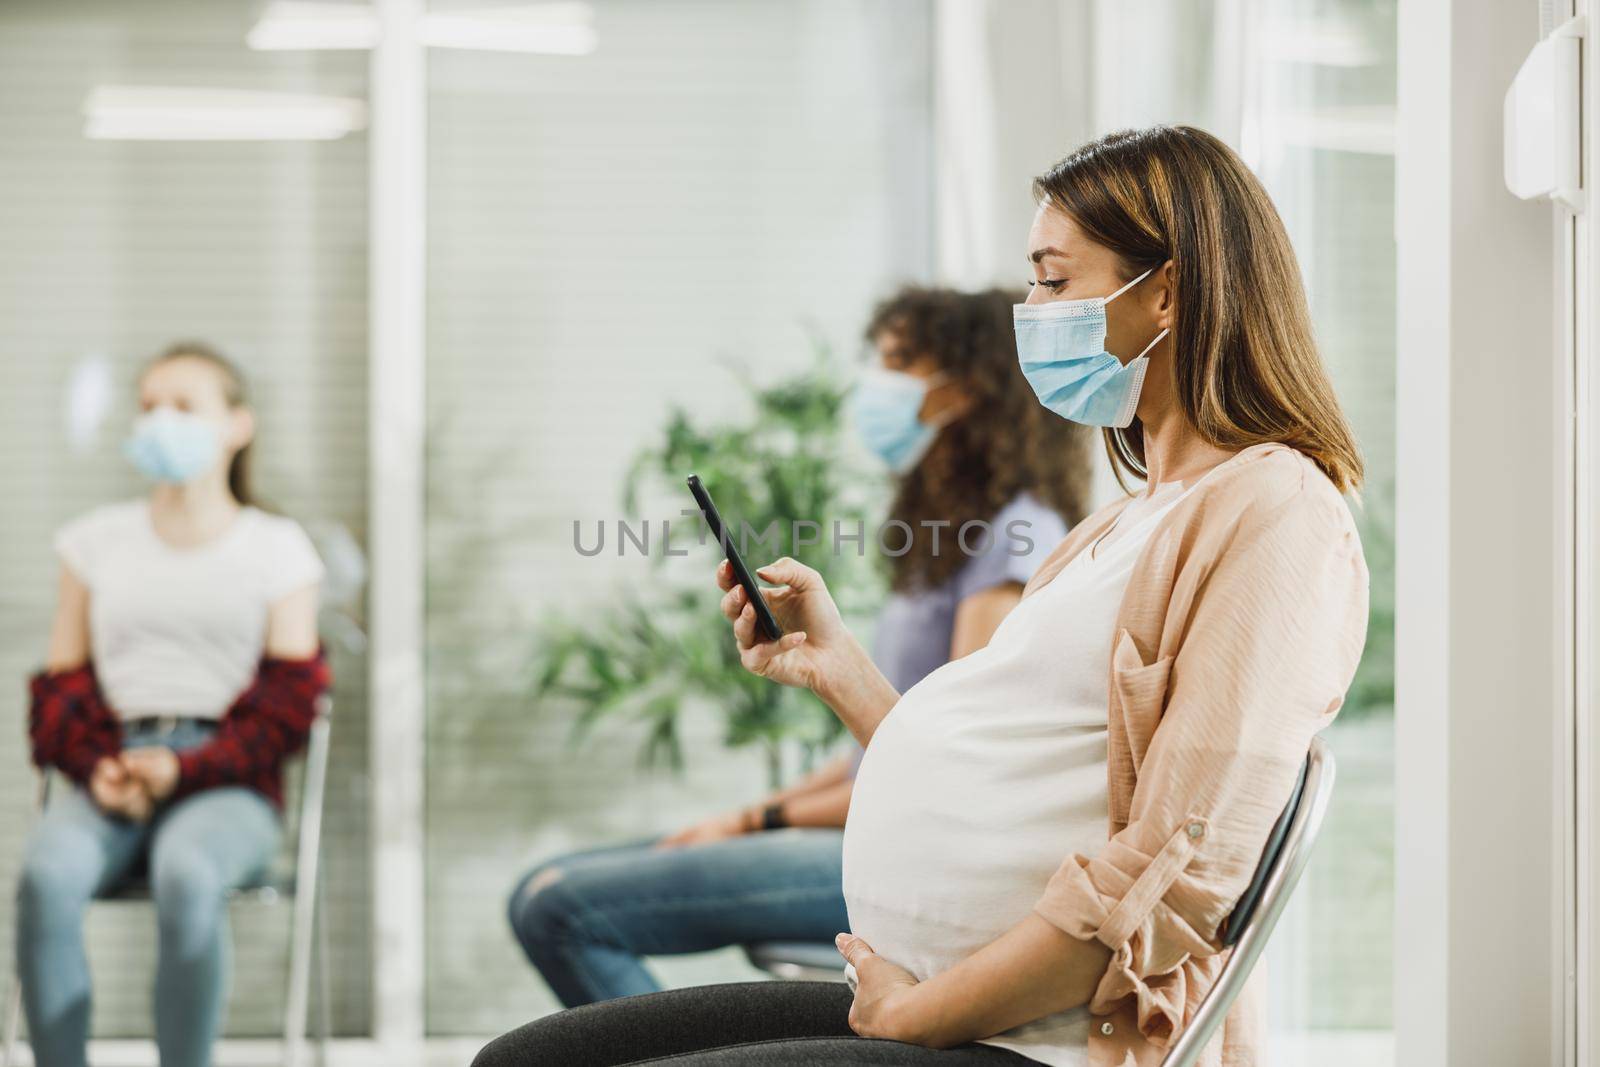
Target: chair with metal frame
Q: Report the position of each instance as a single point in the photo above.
(797, 961)
(309, 931)
(1249, 925)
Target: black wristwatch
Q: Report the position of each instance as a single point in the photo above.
(772, 817)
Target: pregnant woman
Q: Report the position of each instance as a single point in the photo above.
(1046, 835)
(183, 669)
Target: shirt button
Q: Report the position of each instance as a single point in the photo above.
(1106, 1028)
(1195, 829)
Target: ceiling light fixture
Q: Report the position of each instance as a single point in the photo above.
(545, 29)
(154, 113)
(299, 25)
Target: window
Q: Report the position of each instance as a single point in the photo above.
(717, 186)
(113, 249)
(1306, 92)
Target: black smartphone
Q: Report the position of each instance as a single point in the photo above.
(764, 619)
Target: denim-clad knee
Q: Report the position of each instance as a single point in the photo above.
(542, 908)
(53, 889)
(189, 893)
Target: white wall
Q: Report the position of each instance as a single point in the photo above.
(1478, 520)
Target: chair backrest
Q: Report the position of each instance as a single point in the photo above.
(1283, 861)
(313, 788)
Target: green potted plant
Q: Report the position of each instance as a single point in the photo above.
(665, 645)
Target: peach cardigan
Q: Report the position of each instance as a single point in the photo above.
(1238, 634)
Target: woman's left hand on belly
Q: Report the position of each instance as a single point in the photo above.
(883, 1004)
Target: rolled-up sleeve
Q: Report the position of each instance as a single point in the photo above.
(1271, 642)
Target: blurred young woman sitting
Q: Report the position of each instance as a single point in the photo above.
(951, 414)
(183, 669)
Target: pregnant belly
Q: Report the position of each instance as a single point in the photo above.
(927, 885)
(927, 947)
(927, 892)
(951, 843)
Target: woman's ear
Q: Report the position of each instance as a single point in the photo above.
(1167, 295)
(945, 403)
(241, 427)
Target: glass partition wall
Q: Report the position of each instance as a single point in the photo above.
(714, 194)
(120, 238)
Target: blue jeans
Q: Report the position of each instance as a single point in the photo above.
(586, 919)
(197, 850)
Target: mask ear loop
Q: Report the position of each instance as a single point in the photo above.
(1130, 285)
(1152, 344)
(1138, 366)
(1159, 336)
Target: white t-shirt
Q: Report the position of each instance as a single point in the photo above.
(180, 631)
(988, 774)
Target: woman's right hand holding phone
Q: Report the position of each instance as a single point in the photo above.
(803, 608)
(816, 651)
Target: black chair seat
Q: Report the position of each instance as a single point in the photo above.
(777, 956)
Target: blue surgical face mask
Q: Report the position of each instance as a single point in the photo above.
(172, 446)
(1062, 349)
(884, 408)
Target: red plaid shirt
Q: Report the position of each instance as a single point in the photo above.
(71, 727)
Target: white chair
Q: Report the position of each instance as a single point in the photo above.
(1283, 861)
(302, 886)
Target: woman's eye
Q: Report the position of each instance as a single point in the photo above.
(1052, 284)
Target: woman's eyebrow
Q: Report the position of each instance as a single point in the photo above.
(1039, 253)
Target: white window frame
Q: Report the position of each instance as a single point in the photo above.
(1580, 988)
(397, 180)
(1422, 518)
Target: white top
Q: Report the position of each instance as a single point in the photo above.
(989, 773)
(180, 631)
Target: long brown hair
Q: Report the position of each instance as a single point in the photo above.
(233, 391)
(1245, 367)
(1006, 444)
